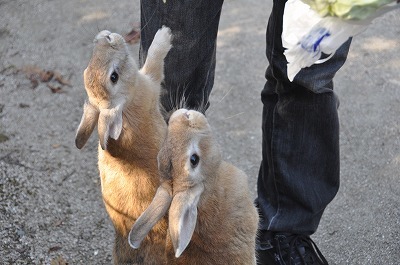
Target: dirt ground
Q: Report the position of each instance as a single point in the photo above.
(51, 210)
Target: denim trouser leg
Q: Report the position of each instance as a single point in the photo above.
(190, 65)
(299, 174)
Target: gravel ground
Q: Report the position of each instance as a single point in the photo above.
(51, 210)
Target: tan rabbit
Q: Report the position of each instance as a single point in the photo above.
(212, 219)
(124, 104)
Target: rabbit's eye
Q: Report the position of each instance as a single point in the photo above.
(194, 160)
(114, 77)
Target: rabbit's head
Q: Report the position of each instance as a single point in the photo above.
(189, 152)
(108, 78)
(188, 161)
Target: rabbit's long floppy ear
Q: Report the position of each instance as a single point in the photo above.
(156, 210)
(110, 124)
(88, 122)
(183, 217)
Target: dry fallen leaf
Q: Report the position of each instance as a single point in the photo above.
(60, 79)
(23, 105)
(34, 81)
(133, 36)
(29, 70)
(3, 138)
(55, 89)
(59, 261)
(54, 248)
(36, 74)
(46, 76)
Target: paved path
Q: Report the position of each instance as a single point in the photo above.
(50, 201)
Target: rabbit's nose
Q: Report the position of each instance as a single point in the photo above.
(115, 38)
(191, 114)
(182, 112)
(103, 34)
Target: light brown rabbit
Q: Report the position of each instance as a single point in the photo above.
(212, 219)
(124, 104)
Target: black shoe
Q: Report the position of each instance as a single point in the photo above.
(288, 249)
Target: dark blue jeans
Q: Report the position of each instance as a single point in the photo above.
(299, 173)
(190, 64)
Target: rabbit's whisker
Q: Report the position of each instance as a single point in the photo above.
(233, 116)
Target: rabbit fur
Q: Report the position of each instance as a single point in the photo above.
(212, 219)
(123, 102)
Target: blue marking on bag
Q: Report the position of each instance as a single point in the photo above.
(311, 41)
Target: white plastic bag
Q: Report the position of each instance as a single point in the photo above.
(306, 35)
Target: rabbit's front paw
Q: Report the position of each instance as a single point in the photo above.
(162, 42)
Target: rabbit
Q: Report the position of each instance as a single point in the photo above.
(123, 102)
(212, 219)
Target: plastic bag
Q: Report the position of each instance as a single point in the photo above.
(306, 35)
